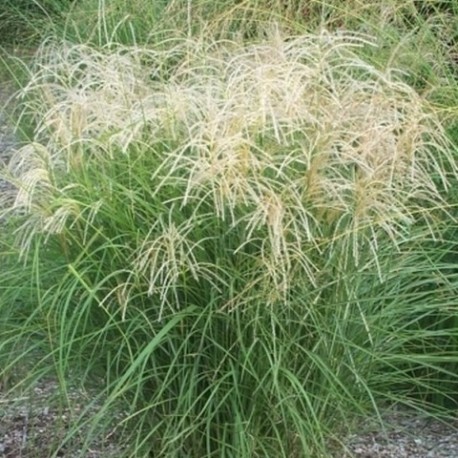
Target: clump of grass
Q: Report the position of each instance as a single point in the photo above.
(236, 231)
(299, 143)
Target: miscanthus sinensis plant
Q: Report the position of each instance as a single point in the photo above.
(248, 219)
(284, 149)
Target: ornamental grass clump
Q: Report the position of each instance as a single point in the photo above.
(222, 220)
(277, 151)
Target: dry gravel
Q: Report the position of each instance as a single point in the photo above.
(31, 425)
(35, 424)
(407, 435)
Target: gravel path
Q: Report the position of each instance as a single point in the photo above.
(406, 435)
(30, 426)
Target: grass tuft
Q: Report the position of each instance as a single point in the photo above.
(250, 243)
